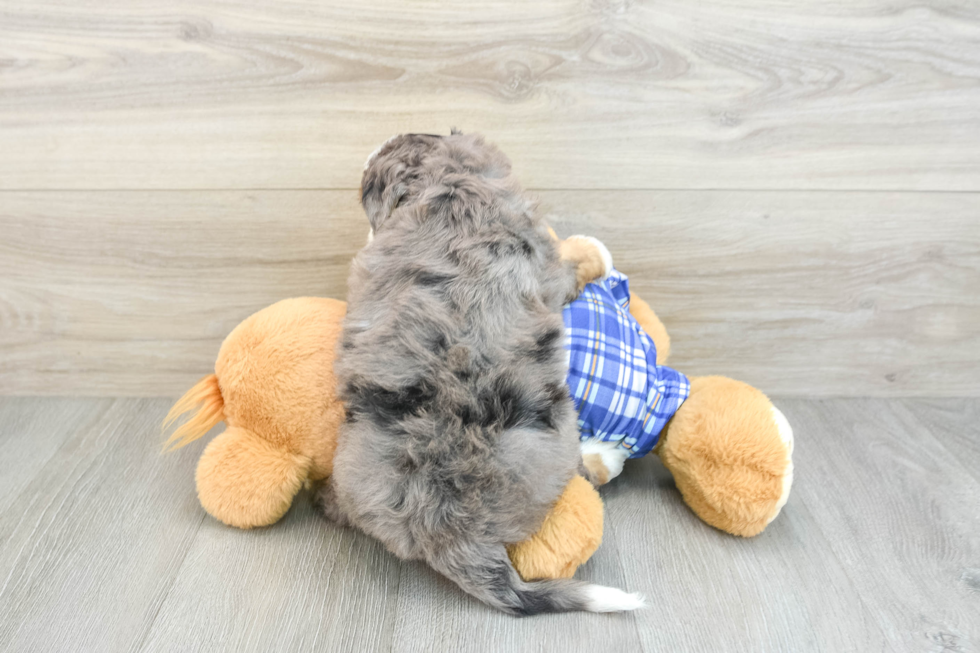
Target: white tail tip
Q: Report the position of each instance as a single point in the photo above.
(610, 599)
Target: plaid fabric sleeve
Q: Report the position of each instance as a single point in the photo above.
(620, 392)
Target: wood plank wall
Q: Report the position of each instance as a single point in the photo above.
(794, 186)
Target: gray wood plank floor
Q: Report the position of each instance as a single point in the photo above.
(103, 547)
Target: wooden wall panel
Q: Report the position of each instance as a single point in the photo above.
(800, 293)
(207, 94)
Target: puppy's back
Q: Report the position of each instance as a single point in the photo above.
(460, 431)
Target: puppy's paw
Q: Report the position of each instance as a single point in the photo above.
(591, 259)
(325, 498)
(602, 461)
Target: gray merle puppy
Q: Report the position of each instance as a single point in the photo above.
(460, 431)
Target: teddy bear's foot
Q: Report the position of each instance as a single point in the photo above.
(569, 536)
(245, 481)
(730, 451)
(786, 435)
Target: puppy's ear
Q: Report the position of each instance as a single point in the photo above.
(393, 172)
(381, 189)
(379, 202)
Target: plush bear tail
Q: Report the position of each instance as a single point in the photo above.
(209, 406)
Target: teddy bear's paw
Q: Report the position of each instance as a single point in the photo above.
(603, 461)
(594, 253)
(786, 435)
(603, 252)
(591, 259)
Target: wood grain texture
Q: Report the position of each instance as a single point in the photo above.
(302, 585)
(30, 435)
(869, 294)
(799, 293)
(100, 293)
(781, 591)
(954, 423)
(899, 510)
(105, 548)
(878, 94)
(90, 546)
(434, 615)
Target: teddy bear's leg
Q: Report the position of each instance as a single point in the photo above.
(730, 451)
(244, 480)
(569, 536)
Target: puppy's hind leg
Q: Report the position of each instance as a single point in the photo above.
(326, 500)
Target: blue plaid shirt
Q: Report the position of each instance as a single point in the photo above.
(621, 394)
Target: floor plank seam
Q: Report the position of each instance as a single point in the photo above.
(633, 616)
(394, 608)
(36, 536)
(57, 450)
(141, 645)
(829, 547)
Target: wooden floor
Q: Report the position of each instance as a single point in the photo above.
(103, 547)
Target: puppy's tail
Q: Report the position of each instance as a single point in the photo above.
(209, 409)
(485, 571)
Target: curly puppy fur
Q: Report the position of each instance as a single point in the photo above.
(460, 432)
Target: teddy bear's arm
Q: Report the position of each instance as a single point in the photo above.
(587, 255)
(654, 328)
(590, 258)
